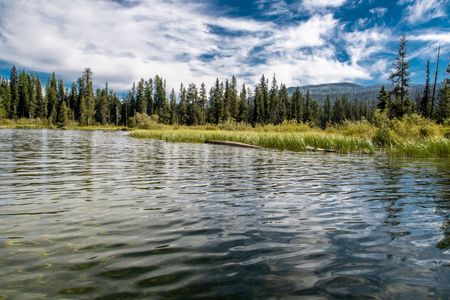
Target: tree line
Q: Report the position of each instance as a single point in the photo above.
(22, 96)
(397, 103)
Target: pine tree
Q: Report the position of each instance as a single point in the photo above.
(3, 114)
(216, 103)
(308, 114)
(356, 112)
(233, 99)
(148, 95)
(273, 102)
(126, 108)
(226, 114)
(160, 99)
(14, 87)
(243, 105)
(183, 106)
(194, 114)
(51, 99)
(316, 112)
(400, 80)
(443, 105)
(338, 112)
(203, 101)
(261, 102)
(250, 104)
(24, 96)
(383, 99)
(63, 114)
(73, 102)
(132, 103)
(424, 104)
(88, 96)
(83, 111)
(257, 111)
(5, 95)
(297, 106)
(61, 97)
(173, 107)
(283, 104)
(265, 101)
(327, 113)
(347, 107)
(32, 89)
(364, 109)
(103, 107)
(116, 108)
(141, 100)
(41, 101)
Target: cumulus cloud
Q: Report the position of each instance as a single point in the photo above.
(181, 41)
(362, 44)
(421, 11)
(311, 33)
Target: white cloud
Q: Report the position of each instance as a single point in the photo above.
(311, 33)
(315, 4)
(124, 43)
(276, 8)
(361, 45)
(441, 37)
(298, 70)
(421, 11)
(378, 11)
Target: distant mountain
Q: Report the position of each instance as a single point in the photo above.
(351, 90)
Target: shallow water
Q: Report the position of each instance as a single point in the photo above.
(103, 215)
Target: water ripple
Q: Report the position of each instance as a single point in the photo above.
(100, 215)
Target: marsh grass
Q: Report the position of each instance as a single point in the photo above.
(43, 124)
(274, 140)
(25, 124)
(410, 136)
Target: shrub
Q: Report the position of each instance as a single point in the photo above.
(145, 121)
(415, 126)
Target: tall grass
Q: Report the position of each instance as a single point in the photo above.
(410, 136)
(25, 124)
(44, 124)
(274, 140)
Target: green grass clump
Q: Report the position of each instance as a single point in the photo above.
(411, 135)
(426, 138)
(430, 147)
(415, 126)
(362, 129)
(274, 140)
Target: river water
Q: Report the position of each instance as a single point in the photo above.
(103, 215)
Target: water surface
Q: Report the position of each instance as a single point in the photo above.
(103, 215)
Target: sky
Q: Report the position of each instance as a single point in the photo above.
(299, 41)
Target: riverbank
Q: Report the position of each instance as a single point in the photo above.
(411, 136)
(428, 147)
(38, 124)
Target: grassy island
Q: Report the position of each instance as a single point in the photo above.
(410, 136)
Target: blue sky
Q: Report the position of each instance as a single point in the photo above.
(301, 41)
